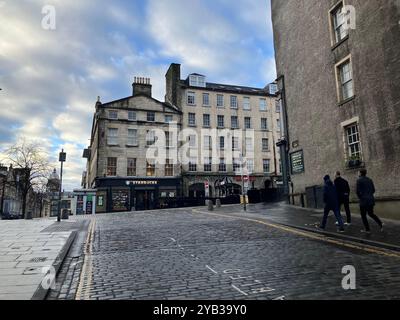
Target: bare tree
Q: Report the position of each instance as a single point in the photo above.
(30, 165)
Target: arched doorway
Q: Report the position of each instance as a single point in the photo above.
(197, 190)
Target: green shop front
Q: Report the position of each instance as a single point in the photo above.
(118, 195)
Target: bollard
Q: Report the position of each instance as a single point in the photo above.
(210, 205)
(218, 203)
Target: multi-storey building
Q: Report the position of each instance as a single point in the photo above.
(123, 136)
(231, 130)
(339, 68)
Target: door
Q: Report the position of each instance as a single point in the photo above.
(145, 200)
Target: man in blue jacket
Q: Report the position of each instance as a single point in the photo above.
(331, 204)
(365, 192)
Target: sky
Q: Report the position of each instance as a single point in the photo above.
(51, 78)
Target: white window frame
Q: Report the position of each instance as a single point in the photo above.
(234, 102)
(263, 104)
(132, 139)
(206, 120)
(192, 116)
(110, 112)
(191, 95)
(206, 101)
(246, 104)
(219, 123)
(340, 82)
(112, 136)
(130, 117)
(220, 101)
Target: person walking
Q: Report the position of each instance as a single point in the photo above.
(365, 192)
(331, 204)
(343, 191)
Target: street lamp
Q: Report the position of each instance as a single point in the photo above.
(62, 158)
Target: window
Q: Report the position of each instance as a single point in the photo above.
(111, 167)
(207, 142)
(278, 125)
(113, 115)
(150, 138)
(236, 165)
(168, 139)
(266, 166)
(221, 143)
(206, 120)
(278, 106)
(169, 168)
(250, 166)
(263, 105)
(222, 165)
(151, 116)
(265, 145)
(221, 121)
(247, 123)
(339, 23)
(112, 138)
(235, 143)
(234, 122)
(353, 141)
(191, 98)
(264, 124)
(346, 80)
(192, 119)
(207, 164)
(150, 168)
(169, 119)
(206, 99)
(246, 104)
(131, 115)
(234, 102)
(220, 101)
(131, 167)
(132, 137)
(192, 141)
(192, 164)
(196, 80)
(249, 145)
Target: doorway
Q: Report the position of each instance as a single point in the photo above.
(145, 200)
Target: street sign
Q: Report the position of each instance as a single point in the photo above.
(62, 157)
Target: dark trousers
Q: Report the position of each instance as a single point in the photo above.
(346, 203)
(336, 211)
(369, 210)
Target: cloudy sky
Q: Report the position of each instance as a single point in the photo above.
(51, 78)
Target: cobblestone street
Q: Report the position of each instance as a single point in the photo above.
(190, 254)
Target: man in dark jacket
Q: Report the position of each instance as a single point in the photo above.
(343, 191)
(365, 192)
(331, 204)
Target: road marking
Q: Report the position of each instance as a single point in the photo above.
(309, 235)
(211, 269)
(173, 240)
(236, 288)
(280, 298)
(85, 279)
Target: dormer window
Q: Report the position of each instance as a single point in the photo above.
(197, 80)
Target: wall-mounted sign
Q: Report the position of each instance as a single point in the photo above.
(297, 162)
(142, 183)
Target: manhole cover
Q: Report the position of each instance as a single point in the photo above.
(37, 260)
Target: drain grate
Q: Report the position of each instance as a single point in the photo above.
(37, 260)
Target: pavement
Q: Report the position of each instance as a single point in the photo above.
(31, 252)
(194, 254)
(310, 219)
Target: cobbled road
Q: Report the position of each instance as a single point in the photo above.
(189, 254)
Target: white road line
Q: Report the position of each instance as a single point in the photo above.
(236, 288)
(173, 240)
(280, 298)
(211, 269)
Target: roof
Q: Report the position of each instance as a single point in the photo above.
(231, 88)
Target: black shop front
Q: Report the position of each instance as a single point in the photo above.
(118, 195)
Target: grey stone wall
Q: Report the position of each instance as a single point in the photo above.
(305, 56)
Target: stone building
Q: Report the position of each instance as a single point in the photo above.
(228, 127)
(124, 133)
(339, 68)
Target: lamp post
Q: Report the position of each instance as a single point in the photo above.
(244, 193)
(62, 158)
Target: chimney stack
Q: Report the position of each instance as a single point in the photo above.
(173, 92)
(142, 86)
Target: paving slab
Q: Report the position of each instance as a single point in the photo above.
(27, 253)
